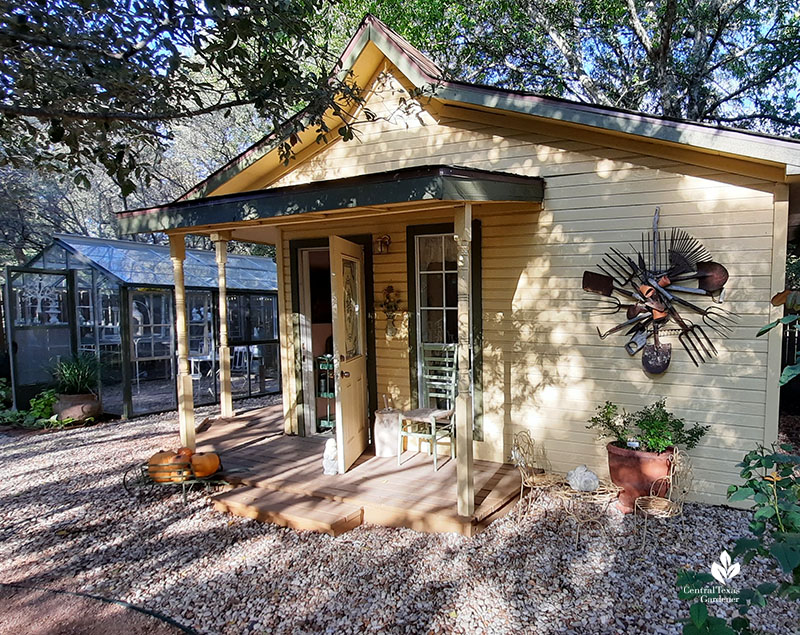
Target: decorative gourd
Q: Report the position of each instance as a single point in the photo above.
(187, 452)
(168, 467)
(155, 466)
(205, 464)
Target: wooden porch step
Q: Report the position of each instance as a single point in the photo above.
(290, 510)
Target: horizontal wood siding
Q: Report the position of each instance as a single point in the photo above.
(545, 369)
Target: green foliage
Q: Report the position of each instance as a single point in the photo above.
(609, 422)
(6, 396)
(791, 301)
(40, 415)
(772, 484)
(77, 376)
(659, 429)
(793, 266)
(42, 405)
(105, 84)
(653, 426)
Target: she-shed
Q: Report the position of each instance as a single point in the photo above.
(481, 208)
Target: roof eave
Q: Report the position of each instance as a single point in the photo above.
(428, 183)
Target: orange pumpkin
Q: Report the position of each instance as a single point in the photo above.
(168, 467)
(205, 464)
(187, 452)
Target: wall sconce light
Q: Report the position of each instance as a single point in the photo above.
(381, 244)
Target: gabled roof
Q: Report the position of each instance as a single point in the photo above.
(142, 264)
(422, 72)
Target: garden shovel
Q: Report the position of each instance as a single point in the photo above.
(656, 356)
(604, 285)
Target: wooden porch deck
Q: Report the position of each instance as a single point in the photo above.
(284, 480)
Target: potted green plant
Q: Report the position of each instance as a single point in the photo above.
(641, 445)
(76, 381)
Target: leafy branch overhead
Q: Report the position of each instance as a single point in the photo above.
(733, 63)
(103, 82)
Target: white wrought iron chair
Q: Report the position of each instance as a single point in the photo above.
(434, 420)
(532, 476)
(667, 494)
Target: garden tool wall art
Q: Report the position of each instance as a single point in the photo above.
(652, 284)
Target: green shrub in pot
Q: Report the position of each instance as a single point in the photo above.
(640, 450)
(76, 381)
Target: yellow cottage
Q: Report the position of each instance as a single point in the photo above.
(477, 210)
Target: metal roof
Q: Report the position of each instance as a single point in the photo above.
(395, 187)
(135, 263)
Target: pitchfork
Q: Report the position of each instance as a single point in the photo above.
(692, 335)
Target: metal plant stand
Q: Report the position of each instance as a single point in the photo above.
(137, 480)
(587, 508)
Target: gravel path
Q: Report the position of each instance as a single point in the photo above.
(66, 523)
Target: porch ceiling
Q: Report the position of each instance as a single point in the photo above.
(397, 187)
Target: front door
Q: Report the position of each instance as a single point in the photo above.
(349, 349)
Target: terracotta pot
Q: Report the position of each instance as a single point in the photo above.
(78, 407)
(635, 471)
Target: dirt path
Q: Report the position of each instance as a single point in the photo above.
(53, 613)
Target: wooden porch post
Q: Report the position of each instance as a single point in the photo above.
(177, 252)
(464, 475)
(225, 391)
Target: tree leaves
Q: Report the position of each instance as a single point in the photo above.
(73, 86)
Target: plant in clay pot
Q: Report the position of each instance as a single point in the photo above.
(76, 381)
(641, 447)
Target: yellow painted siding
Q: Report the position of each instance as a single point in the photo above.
(545, 369)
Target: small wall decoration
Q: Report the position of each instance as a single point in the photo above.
(651, 281)
(390, 307)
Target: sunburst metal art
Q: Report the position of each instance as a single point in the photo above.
(651, 281)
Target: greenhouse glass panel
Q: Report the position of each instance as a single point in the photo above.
(202, 347)
(114, 299)
(109, 344)
(153, 352)
(40, 329)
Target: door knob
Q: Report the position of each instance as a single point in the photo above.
(345, 374)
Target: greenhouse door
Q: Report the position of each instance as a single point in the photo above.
(349, 349)
(39, 305)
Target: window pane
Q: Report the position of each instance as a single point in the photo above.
(451, 290)
(450, 253)
(429, 253)
(262, 312)
(432, 325)
(236, 318)
(452, 326)
(430, 290)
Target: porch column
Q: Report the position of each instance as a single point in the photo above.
(466, 485)
(177, 252)
(225, 390)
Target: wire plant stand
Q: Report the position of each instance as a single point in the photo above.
(142, 480)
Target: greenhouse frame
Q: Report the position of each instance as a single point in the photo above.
(115, 299)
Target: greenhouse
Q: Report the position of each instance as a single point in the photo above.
(114, 299)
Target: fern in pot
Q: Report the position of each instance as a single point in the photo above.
(76, 381)
(641, 446)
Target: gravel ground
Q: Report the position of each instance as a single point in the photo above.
(66, 523)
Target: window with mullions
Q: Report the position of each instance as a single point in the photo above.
(437, 297)
(433, 297)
